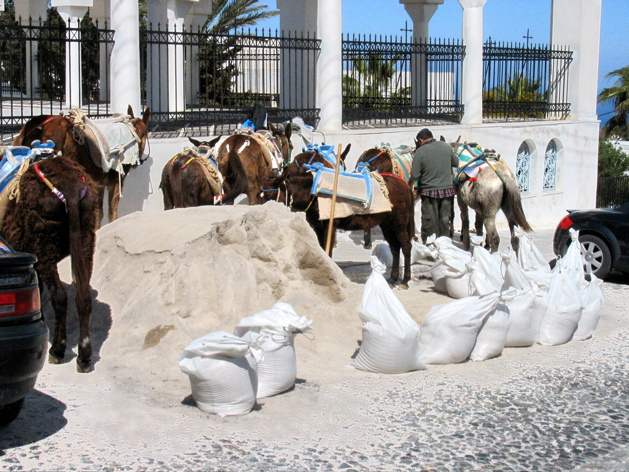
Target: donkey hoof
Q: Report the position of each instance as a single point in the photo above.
(403, 286)
(83, 367)
(52, 359)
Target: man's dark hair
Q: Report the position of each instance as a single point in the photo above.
(424, 133)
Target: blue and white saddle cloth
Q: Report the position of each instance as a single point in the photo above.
(16, 157)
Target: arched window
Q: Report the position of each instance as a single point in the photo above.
(523, 168)
(550, 166)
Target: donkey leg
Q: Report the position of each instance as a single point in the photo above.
(515, 241)
(84, 311)
(59, 300)
(367, 238)
(465, 224)
(113, 193)
(492, 237)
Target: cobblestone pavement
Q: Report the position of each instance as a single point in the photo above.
(542, 408)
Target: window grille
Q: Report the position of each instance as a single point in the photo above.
(550, 166)
(523, 168)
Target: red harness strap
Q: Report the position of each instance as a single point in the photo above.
(49, 184)
(46, 121)
(396, 176)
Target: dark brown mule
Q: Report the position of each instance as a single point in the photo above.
(39, 222)
(187, 181)
(378, 159)
(60, 130)
(492, 189)
(293, 188)
(243, 162)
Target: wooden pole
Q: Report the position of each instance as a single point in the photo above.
(328, 243)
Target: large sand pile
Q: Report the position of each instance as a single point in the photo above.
(162, 280)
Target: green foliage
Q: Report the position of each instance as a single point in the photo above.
(612, 162)
(618, 94)
(368, 84)
(217, 58)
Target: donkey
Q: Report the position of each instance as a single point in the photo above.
(486, 185)
(246, 161)
(68, 132)
(293, 187)
(54, 216)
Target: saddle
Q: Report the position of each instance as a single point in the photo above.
(112, 142)
(203, 155)
(15, 161)
(357, 193)
(472, 160)
(401, 159)
(268, 143)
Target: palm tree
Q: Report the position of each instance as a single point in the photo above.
(616, 126)
(370, 80)
(227, 15)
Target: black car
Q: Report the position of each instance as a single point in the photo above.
(604, 234)
(23, 333)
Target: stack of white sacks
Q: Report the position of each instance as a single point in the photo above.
(501, 300)
(228, 372)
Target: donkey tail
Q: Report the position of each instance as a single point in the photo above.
(512, 204)
(236, 176)
(175, 184)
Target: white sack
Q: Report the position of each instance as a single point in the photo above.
(492, 335)
(458, 284)
(529, 256)
(486, 275)
(222, 381)
(390, 337)
(457, 274)
(273, 331)
(573, 261)
(592, 301)
(563, 310)
(522, 329)
(515, 276)
(449, 331)
(419, 252)
(438, 274)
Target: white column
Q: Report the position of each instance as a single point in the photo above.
(177, 11)
(196, 19)
(577, 24)
(72, 12)
(420, 11)
(100, 12)
(298, 18)
(330, 65)
(472, 87)
(125, 57)
(35, 10)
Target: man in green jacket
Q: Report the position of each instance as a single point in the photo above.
(432, 169)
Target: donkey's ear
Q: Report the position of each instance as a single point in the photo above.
(441, 138)
(346, 152)
(214, 141)
(146, 115)
(130, 111)
(458, 139)
(273, 129)
(288, 129)
(196, 142)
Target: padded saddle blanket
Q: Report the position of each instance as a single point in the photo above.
(357, 193)
(112, 141)
(472, 160)
(401, 158)
(268, 143)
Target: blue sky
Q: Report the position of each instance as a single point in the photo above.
(505, 20)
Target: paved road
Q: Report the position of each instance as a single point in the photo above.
(547, 409)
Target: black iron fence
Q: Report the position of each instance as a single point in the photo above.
(34, 60)
(612, 191)
(197, 83)
(201, 84)
(525, 82)
(394, 82)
